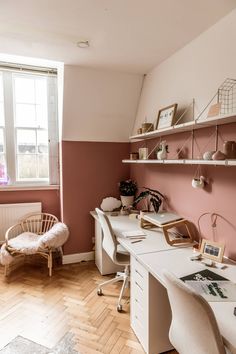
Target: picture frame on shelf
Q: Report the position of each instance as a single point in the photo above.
(165, 116)
(212, 250)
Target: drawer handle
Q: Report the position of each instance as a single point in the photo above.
(139, 286)
(138, 273)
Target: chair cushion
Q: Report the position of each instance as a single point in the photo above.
(55, 237)
(27, 242)
(122, 256)
(122, 250)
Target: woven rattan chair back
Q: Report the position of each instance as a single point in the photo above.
(38, 223)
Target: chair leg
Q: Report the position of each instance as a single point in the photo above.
(113, 280)
(124, 286)
(50, 263)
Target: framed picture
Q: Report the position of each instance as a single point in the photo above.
(212, 250)
(165, 116)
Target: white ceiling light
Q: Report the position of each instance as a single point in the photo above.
(83, 44)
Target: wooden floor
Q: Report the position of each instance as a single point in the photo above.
(44, 309)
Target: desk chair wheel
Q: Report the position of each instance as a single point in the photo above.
(119, 308)
(99, 292)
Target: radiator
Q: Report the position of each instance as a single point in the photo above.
(10, 214)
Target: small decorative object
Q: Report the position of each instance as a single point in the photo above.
(166, 116)
(162, 150)
(110, 204)
(152, 196)
(147, 127)
(229, 149)
(124, 210)
(198, 182)
(127, 190)
(214, 110)
(208, 155)
(212, 250)
(218, 155)
(134, 156)
(139, 131)
(143, 153)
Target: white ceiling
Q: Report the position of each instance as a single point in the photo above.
(125, 35)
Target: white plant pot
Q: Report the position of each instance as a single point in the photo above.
(127, 200)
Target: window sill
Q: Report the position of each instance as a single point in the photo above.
(29, 187)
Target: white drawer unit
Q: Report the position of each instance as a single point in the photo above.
(102, 260)
(149, 303)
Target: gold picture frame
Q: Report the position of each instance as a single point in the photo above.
(165, 116)
(212, 250)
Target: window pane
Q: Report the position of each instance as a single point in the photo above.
(1, 88)
(43, 166)
(27, 166)
(26, 141)
(2, 144)
(3, 170)
(24, 90)
(42, 139)
(2, 120)
(25, 115)
(41, 91)
(1, 103)
(42, 116)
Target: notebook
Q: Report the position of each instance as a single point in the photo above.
(161, 218)
(134, 234)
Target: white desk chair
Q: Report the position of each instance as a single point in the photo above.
(117, 254)
(193, 328)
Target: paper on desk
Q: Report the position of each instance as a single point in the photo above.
(219, 290)
(134, 234)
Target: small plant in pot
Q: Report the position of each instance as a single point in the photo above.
(152, 196)
(127, 190)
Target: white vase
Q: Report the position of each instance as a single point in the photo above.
(127, 200)
(162, 154)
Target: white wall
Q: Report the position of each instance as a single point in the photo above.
(99, 105)
(196, 71)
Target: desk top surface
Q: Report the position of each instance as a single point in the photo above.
(154, 241)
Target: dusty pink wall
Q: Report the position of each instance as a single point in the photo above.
(175, 182)
(50, 199)
(91, 171)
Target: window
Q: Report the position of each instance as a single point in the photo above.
(28, 128)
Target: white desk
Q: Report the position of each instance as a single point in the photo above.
(178, 263)
(150, 309)
(119, 224)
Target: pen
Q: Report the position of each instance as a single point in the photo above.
(136, 241)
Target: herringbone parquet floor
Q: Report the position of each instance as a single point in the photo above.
(44, 309)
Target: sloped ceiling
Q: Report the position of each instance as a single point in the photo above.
(124, 35)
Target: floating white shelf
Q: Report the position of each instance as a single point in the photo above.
(184, 162)
(188, 126)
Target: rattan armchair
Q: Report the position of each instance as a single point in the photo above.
(37, 223)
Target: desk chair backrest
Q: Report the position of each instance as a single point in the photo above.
(109, 239)
(193, 328)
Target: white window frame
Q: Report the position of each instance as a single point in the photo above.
(10, 138)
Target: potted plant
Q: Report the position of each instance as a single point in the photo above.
(153, 197)
(127, 190)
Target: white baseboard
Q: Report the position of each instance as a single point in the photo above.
(78, 257)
